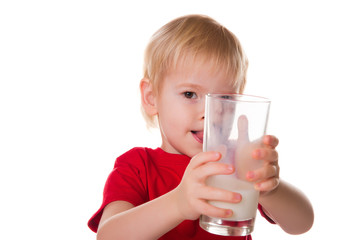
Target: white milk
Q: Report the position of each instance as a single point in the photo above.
(244, 210)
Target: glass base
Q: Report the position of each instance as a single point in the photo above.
(225, 227)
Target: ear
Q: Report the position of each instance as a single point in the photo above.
(148, 97)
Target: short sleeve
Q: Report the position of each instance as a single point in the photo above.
(124, 183)
(260, 208)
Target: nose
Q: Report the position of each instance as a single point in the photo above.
(202, 108)
(201, 113)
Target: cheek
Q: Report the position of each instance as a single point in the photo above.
(178, 114)
(171, 113)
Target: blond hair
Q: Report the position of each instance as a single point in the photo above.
(193, 36)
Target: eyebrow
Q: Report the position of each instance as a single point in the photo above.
(190, 85)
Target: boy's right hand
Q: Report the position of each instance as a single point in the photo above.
(192, 194)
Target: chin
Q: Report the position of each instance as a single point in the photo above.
(194, 152)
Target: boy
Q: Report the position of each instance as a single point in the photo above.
(160, 193)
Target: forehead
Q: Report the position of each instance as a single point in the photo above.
(203, 72)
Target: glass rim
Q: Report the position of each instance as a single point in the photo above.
(239, 97)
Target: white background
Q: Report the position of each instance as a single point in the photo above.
(69, 103)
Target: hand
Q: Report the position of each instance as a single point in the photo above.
(266, 173)
(267, 177)
(192, 193)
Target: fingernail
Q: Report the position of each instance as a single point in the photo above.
(257, 154)
(238, 197)
(217, 155)
(229, 213)
(250, 175)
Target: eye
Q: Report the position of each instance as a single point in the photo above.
(190, 95)
(226, 97)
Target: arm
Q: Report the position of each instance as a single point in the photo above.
(282, 202)
(121, 220)
(289, 208)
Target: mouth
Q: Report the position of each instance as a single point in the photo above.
(198, 135)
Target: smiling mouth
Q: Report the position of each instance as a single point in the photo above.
(198, 135)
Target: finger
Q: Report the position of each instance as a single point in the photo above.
(213, 168)
(266, 154)
(266, 172)
(270, 141)
(218, 194)
(213, 211)
(203, 158)
(267, 185)
(242, 125)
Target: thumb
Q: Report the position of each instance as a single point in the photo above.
(242, 129)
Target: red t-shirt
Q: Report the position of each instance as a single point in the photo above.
(143, 174)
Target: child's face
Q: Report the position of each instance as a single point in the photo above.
(181, 105)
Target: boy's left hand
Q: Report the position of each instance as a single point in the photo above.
(266, 178)
(257, 161)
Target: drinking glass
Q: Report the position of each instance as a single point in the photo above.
(234, 126)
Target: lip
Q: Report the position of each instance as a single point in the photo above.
(198, 136)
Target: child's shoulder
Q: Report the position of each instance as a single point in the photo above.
(135, 156)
